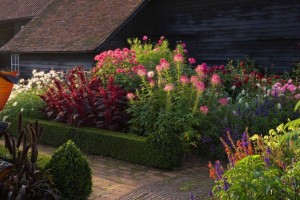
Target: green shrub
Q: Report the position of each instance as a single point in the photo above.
(71, 172)
(128, 147)
(28, 102)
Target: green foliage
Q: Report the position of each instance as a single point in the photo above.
(71, 172)
(149, 54)
(22, 179)
(42, 159)
(28, 102)
(274, 173)
(249, 179)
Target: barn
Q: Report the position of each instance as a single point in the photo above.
(71, 32)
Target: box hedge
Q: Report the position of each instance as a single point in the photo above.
(122, 146)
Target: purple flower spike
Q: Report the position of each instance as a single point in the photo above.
(226, 185)
(245, 140)
(210, 193)
(267, 161)
(192, 197)
(219, 169)
(268, 151)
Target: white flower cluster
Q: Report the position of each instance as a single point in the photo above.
(38, 82)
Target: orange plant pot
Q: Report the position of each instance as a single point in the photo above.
(5, 88)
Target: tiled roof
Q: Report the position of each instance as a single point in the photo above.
(15, 9)
(72, 26)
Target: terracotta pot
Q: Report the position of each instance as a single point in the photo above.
(6, 84)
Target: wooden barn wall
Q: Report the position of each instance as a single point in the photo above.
(215, 31)
(46, 62)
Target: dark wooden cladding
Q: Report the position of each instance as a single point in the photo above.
(215, 30)
(46, 62)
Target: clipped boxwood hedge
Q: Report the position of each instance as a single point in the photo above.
(122, 146)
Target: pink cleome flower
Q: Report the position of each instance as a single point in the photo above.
(140, 70)
(184, 79)
(169, 87)
(292, 88)
(192, 60)
(159, 68)
(204, 110)
(201, 69)
(200, 86)
(178, 58)
(130, 96)
(297, 96)
(193, 79)
(145, 38)
(223, 101)
(151, 82)
(164, 64)
(215, 80)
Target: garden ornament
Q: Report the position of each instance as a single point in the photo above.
(7, 80)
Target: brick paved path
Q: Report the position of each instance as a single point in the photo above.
(114, 179)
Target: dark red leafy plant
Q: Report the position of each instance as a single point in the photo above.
(83, 100)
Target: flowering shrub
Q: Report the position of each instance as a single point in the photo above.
(174, 103)
(117, 64)
(24, 95)
(148, 54)
(260, 167)
(84, 101)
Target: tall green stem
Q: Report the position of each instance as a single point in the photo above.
(196, 102)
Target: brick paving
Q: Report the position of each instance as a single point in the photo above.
(115, 179)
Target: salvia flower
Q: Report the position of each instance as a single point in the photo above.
(219, 170)
(267, 161)
(192, 197)
(226, 184)
(210, 193)
(268, 151)
(245, 140)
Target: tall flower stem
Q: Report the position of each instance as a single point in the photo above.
(196, 102)
(168, 99)
(178, 71)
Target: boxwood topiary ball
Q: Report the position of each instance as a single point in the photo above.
(71, 172)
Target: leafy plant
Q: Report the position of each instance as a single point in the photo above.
(24, 180)
(148, 54)
(272, 173)
(71, 172)
(84, 101)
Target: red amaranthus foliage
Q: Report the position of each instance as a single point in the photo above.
(84, 101)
